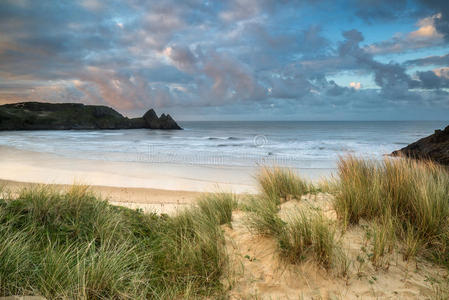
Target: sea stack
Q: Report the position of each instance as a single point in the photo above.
(434, 147)
(66, 116)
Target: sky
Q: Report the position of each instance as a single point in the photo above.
(231, 60)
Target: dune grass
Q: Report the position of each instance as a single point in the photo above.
(308, 235)
(262, 216)
(383, 241)
(305, 234)
(414, 195)
(75, 245)
(280, 183)
(218, 206)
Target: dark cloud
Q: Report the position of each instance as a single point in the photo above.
(375, 10)
(441, 7)
(431, 60)
(200, 55)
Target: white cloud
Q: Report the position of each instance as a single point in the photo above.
(425, 36)
(427, 29)
(355, 85)
(442, 72)
(92, 4)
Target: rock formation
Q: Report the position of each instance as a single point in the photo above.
(434, 147)
(63, 116)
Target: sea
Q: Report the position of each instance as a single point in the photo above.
(302, 145)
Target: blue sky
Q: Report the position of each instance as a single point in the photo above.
(231, 60)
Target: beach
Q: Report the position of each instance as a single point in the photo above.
(45, 168)
(160, 170)
(227, 196)
(204, 157)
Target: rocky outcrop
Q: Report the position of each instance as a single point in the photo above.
(63, 116)
(434, 147)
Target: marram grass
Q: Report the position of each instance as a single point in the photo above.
(280, 183)
(413, 194)
(309, 234)
(75, 245)
(305, 234)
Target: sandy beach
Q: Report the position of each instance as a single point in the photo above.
(152, 187)
(45, 168)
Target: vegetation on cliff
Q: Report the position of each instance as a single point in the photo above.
(63, 116)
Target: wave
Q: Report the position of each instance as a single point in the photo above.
(230, 145)
(229, 138)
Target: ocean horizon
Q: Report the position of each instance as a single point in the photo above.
(295, 144)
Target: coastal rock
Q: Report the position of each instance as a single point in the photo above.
(434, 147)
(63, 116)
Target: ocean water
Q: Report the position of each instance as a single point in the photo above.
(303, 145)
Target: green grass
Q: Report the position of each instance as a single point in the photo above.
(306, 234)
(218, 206)
(309, 235)
(74, 245)
(281, 183)
(262, 216)
(413, 194)
(383, 241)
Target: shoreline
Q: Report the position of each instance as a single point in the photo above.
(46, 168)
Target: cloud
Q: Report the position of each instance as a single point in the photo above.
(442, 72)
(424, 37)
(210, 56)
(182, 57)
(442, 8)
(355, 85)
(92, 4)
(430, 60)
(433, 79)
(375, 10)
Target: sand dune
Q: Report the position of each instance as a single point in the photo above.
(258, 273)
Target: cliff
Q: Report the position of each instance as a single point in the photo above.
(64, 116)
(434, 147)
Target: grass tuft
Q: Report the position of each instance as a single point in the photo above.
(383, 241)
(75, 245)
(305, 234)
(218, 206)
(281, 183)
(309, 235)
(262, 216)
(413, 194)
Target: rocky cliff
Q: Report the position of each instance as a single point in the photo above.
(63, 116)
(434, 147)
